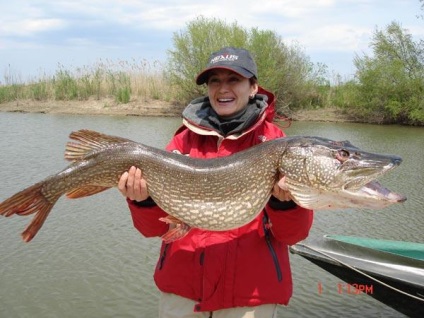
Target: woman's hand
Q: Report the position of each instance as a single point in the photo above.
(132, 185)
(280, 190)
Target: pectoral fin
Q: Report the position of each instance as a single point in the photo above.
(177, 229)
(305, 196)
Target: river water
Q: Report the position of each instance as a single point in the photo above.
(89, 261)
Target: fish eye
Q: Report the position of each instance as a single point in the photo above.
(342, 155)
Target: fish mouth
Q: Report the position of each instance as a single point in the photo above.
(376, 190)
(364, 176)
(364, 191)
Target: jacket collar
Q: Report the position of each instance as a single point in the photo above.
(200, 117)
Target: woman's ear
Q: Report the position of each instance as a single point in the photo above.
(255, 88)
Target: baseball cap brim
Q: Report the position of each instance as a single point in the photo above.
(203, 76)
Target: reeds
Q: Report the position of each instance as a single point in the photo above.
(122, 80)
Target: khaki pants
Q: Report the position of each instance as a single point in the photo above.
(173, 306)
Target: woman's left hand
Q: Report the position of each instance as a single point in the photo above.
(280, 190)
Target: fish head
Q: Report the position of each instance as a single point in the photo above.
(337, 174)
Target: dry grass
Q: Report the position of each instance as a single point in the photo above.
(123, 81)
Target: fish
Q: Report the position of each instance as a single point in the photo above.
(213, 194)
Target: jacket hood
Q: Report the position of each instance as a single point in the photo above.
(270, 111)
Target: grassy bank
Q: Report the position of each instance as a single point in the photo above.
(132, 88)
(113, 88)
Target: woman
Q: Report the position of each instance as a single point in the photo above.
(244, 272)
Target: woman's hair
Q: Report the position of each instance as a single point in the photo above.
(253, 80)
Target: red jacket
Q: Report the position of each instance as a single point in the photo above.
(247, 266)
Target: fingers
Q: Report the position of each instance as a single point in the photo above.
(132, 185)
(281, 191)
(282, 183)
(280, 194)
(122, 183)
(130, 182)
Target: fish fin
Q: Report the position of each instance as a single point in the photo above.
(26, 202)
(305, 196)
(87, 142)
(85, 191)
(179, 229)
(311, 198)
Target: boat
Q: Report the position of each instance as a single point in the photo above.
(392, 272)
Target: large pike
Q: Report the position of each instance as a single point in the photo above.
(214, 194)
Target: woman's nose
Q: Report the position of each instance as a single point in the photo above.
(223, 87)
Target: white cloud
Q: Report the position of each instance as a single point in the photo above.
(290, 8)
(27, 27)
(336, 37)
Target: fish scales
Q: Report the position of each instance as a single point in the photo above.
(224, 189)
(214, 194)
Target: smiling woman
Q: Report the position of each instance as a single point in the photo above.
(191, 273)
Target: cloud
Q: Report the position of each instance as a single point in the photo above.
(120, 27)
(27, 27)
(335, 37)
(88, 22)
(291, 8)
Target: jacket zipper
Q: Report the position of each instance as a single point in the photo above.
(267, 232)
(163, 256)
(202, 258)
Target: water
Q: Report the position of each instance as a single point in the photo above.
(89, 261)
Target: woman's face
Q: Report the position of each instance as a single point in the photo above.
(229, 92)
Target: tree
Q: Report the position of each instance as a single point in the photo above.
(391, 83)
(283, 69)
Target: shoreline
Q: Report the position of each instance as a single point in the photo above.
(93, 107)
(154, 108)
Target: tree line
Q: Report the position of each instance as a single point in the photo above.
(388, 86)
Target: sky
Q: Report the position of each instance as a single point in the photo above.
(39, 36)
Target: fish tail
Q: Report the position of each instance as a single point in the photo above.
(26, 202)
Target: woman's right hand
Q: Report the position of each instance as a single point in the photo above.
(132, 185)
